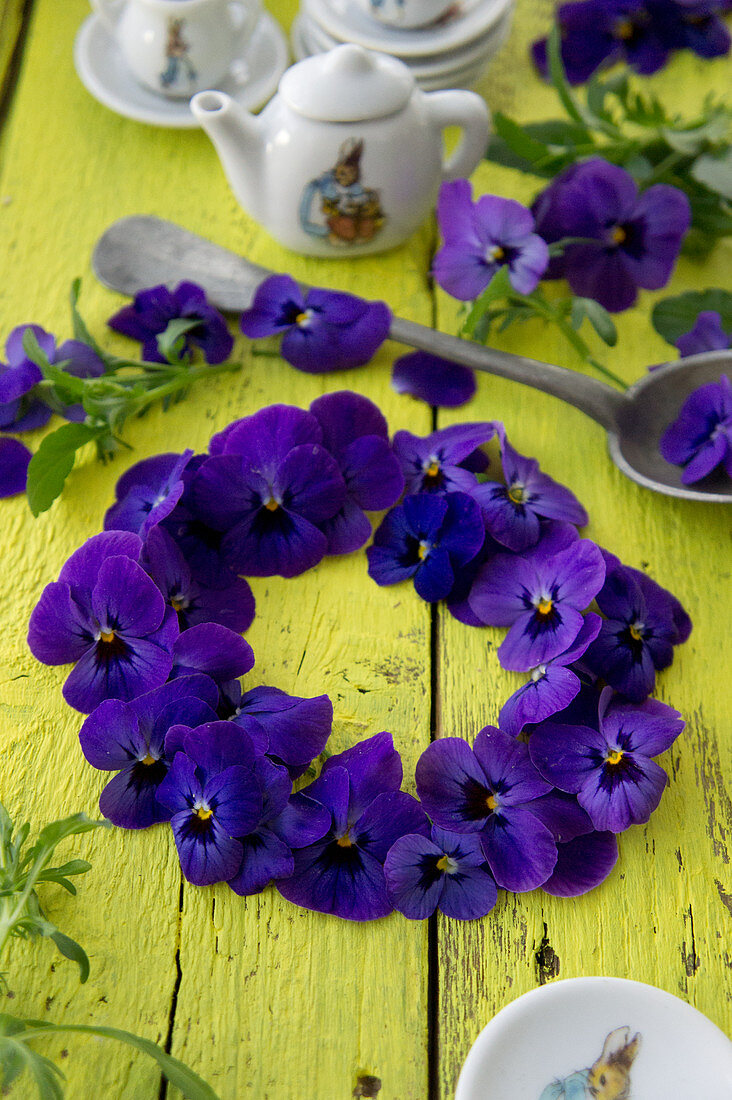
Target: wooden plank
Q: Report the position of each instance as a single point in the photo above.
(664, 914)
(11, 22)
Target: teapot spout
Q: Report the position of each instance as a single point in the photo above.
(238, 139)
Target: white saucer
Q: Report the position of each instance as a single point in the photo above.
(543, 1045)
(348, 23)
(105, 75)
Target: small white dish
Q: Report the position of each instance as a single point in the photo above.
(104, 73)
(594, 1039)
(467, 20)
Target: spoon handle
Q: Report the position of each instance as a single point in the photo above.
(143, 251)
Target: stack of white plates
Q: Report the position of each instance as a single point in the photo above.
(450, 53)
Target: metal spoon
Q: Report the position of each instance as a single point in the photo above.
(139, 252)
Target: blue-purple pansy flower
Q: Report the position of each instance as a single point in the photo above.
(642, 624)
(585, 857)
(706, 334)
(541, 600)
(343, 873)
(192, 602)
(14, 461)
(199, 544)
(445, 871)
(296, 730)
(129, 738)
(438, 382)
(108, 618)
(322, 330)
(356, 434)
(213, 650)
(484, 790)
(20, 410)
(428, 538)
(269, 492)
(446, 460)
(482, 237)
(147, 493)
(700, 439)
(551, 686)
(153, 309)
(610, 769)
(512, 511)
(631, 240)
(214, 796)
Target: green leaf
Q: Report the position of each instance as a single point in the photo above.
(52, 463)
(517, 138)
(559, 78)
(673, 317)
(499, 287)
(715, 172)
(70, 949)
(81, 332)
(598, 317)
(558, 132)
(171, 343)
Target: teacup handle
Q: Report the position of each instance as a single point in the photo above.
(109, 11)
(244, 16)
(468, 111)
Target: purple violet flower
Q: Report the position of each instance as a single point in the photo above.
(445, 461)
(445, 871)
(19, 410)
(14, 461)
(213, 650)
(540, 598)
(106, 616)
(295, 730)
(343, 873)
(356, 434)
(706, 335)
(551, 687)
(269, 492)
(438, 382)
(322, 330)
(642, 624)
(147, 493)
(152, 311)
(484, 790)
(582, 864)
(214, 796)
(700, 439)
(129, 738)
(610, 769)
(480, 238)
(427, 537)
(634, 240)
(512, 511)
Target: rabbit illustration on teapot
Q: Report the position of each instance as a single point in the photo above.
(608, 1078)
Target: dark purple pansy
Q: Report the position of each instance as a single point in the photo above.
(296, 729)
(344, 872)
(694, 25)
(484, 790)
(214, 796)
(700, 439)
(482, 237)
(268, 492)
(445, 871)
(213, 650)
(19, 409)
(429, 538)
(199, 544)
(147, 493)
(192, 602)
(632, 240)
(540, 598)
(707, 334)
(610, 769)
(322, 330)
(152, 311)
(14, 460)
(129, 738)
(551, 687)
(582, 864)
(356, 434)
(444, 461)
(106, 616)
(513, 511)
(437, 381)
(642, 624)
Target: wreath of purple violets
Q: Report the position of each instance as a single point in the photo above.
(150, 614)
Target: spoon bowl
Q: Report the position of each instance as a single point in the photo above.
(143, 251)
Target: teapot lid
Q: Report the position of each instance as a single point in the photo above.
(347, 84)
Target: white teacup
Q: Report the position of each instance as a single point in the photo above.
(179, 47)
(407, 13)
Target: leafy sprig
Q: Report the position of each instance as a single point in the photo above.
(635, 130)
(675, 316)
(127, 389)
(22, 868)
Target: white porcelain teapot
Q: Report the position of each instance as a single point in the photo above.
(348, 156)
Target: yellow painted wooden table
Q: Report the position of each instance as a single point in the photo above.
(263, 999)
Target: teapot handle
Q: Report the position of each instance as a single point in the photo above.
(470, 112)
(108, 11)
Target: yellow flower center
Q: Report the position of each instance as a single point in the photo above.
(433, 469)
(271, 505)
(204, 814)
(635, 632)
(302, 318)
(615, 756)
(624, 29)
(177, 603)
(544, 606)
(494, 254)
(618, 234)
(344, 841)
(491, 802)
(423, 551)
(148, 760)
(516, 494)
(107, 636)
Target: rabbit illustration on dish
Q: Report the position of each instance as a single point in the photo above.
(607, 1079)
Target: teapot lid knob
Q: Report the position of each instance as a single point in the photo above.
(347, 84)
